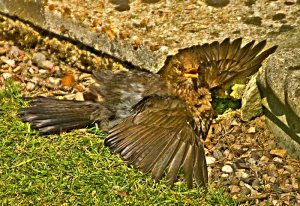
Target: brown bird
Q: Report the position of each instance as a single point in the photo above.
(155, 121)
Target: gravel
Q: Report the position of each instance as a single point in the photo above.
(242, 156)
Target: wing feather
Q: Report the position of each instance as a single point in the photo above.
(159, 137)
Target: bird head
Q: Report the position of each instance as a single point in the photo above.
(182, 71)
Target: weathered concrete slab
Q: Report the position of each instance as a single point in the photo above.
(280, 88)
(144, 33)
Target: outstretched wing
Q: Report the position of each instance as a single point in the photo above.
(219, 63)
(160, 136)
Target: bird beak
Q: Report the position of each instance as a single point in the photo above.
(192, 73)
(191, 76)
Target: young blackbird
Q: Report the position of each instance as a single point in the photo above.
(155, 121)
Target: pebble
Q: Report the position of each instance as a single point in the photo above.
(46, 64)
(290, 2)
(279, 152)
(33, 70)
(227, 169)
(15, 52)
(30, 86)
(217, 154)
(277, 159)
(224, 175)
(84, 76)
(3, 50)
(234, 189)
(241, 173)
(38, 57)
(255, 184)
(10, 62)
(289, 168)
(273, 179)
(6, 75)
(79, 96)
(278, 16)
(251, 130)
(251, 161)
(245, 191)
(267, 188)
(55, 81)
(43, 71)
(217, 3)
(210, 160)
(264, 159)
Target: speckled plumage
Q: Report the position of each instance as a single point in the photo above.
(155, 121)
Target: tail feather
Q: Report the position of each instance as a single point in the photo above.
(51, 115)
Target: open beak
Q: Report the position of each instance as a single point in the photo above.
(191, 76)
(192, 73)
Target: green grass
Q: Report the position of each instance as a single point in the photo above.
(76, 168)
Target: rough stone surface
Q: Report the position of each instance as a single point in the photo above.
(145, 33)
(251, 101)
(279, 84)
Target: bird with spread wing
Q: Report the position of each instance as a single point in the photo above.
(156, 121)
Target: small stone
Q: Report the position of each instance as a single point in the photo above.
(279, 152)
(267, 188)
(3, 50)
(251, 130)
(55, 81)
(70, 96)
(249, 2)
(32, 70)
(286, 188)
(226, 152)
(17, 69)
(84, 76)
(10, 62)
(278, 16)
(272, 179)
(210, 160)
(227, 169)
(234, 189)
(234, 181)
(15, 52)
(240, 164)
(255, 184)
(38, 57)
(217, 154)
(46, 64)
(217, 3)
(43, 71)
(254, 20)
(6, 75)
(264, 159)
(79, 87)
(289, 168)
(30, 86)
(224, 175)
(79, 96)
(245, 191)
(295, 184)
(280, 171)
(290, 2)
(277, 159)
(266, 178)
(241, 183)
(285, 28)
(242, 174)
(251, 161)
